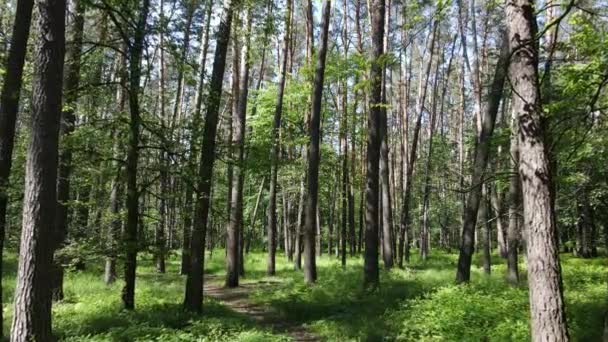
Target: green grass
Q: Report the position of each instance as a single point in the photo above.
(420, 303)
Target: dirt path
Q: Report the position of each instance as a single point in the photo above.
(237, 299)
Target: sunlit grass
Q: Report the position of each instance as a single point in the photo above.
(420, 302)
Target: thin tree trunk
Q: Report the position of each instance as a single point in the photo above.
(193, 298)
(482, 148)
(233, 259)
(387, 214)
(371, 278)
(514, 230)
(32, 313)
(9, 105)
(71, 83)
(131, 230)
(272, 219)
(196, 122)
(311, 221)
(407, 193)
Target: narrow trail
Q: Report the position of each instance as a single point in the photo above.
(237, 299)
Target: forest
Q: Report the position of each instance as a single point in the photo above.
(303, 170)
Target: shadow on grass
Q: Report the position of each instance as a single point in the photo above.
(159, 322)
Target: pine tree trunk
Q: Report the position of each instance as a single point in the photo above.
(482, 149)
(9, 105)
(272, 210)
(71, 83)
(548, 321)
(404, 246)
(514, 229)
(32, 313)
(311, 219)
(131, 229)
(196, 123)
(193, 298)
(374, 140)
(233, 243)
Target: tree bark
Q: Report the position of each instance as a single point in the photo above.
(193, 298)
(194, 140)
(9, 105)
(71, 83)
(274, 154)
(32, 313)
(482, 149)
(311, 220)
(514, 229)
(131, 229)
(238, 137)
(371, 278)
(548, 319)
(404, 244)
(387, 213)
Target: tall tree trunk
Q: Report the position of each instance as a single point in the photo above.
(32, 313)
(194, 139)
(131, 229)
(514, 229)
(9, 104)
(387, 214)
(272, 211)
(193, 298)
(547, 306)
(486, 226)
(374, 139)
(71, 83)
(482, 149)
(404, 246)
(310, 265)
(424, 230)
(238, 137)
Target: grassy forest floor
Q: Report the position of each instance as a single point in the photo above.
(419, 303)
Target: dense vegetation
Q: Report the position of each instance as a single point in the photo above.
(255, 170)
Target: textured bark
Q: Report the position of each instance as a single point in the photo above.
(385, 200)
(311, 219)
(482, 149)
(32, 313)
(132, 204)
(548, 319)
(274, 153)
(486, 226)
(9, 105)
(71, 83)
(404, 245)
(424, 227)
(238, 137)
(497, 201)
(370, 267)
(193, 298)
(514, 229)
(194, 139)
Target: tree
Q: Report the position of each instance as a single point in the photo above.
(9, 105)
(370, 269)
(196, 123)
(310, 266)
(404, 243)
(135, 51)
(385, 198)
(482, 148)
(274, 153)
(193, 297)
(32, 315)
(71, 84)
(238, 121)
(548, 317)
